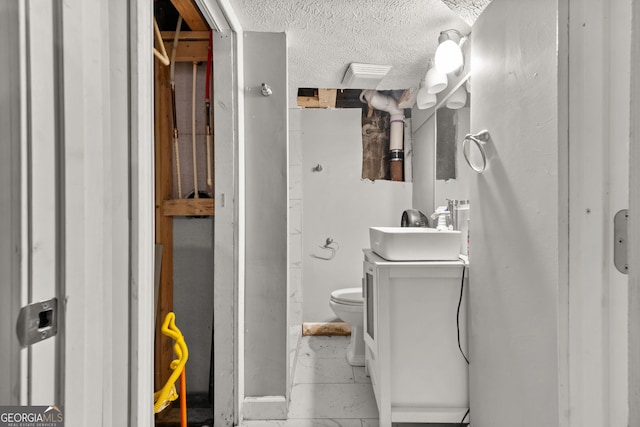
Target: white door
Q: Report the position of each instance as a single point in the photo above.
(548, 330)
(10, 272)
(30, 220)
(599, 187)
(65, 123)
(518, 234)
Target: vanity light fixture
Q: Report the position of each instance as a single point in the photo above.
(425, 99)
(457, 99)
(435, 81)
(448, 56)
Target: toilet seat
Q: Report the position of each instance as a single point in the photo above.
(347, 296)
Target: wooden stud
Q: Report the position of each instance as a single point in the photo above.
(327, 98)
(326, 329)
(191, 15)
(324, 98)
(190, 50)
(308, 102)
(185, 35)
(164, 225)
(407, 99)
(188, 207)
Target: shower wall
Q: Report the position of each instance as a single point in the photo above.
(337, 204)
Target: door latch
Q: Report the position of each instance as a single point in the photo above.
(620, 247)
(37, 322)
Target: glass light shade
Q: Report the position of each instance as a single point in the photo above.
(448, 57)
(435, 82)
(425, 99)
(457, 99)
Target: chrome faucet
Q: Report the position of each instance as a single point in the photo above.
(453, 206)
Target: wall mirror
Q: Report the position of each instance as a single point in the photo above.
(452, 174)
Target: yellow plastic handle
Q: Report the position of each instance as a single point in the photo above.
(167, 393)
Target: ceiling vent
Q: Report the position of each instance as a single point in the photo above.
(364, 76)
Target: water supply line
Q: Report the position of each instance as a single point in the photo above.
(207, 107)
(196, 193)
(388, 104)
(172, 72)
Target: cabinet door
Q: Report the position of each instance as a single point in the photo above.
(370, 306)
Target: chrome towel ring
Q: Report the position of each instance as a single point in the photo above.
(479, 160)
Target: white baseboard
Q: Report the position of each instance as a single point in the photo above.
(265, 408)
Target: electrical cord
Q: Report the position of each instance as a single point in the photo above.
(463, 418)
(464, 268)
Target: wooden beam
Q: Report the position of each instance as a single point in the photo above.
(308, 102)
(164, 225)
(189, 51)
(327, 98)
(185, 35)
(323, 98)
(326, 329)
(407, 99)
(191, 15)
(188, 207)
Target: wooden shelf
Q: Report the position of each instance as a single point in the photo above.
(188, 207)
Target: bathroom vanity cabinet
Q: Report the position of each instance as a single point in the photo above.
(410, 330)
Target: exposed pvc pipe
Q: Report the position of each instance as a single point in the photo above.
(396, 139)
(162, 53)
(386, 103)
(381, 102)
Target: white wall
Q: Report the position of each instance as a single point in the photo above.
(227, 350)
(266, 165)
(295, 232)
(338, 204)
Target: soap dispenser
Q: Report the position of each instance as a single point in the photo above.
(443, 217)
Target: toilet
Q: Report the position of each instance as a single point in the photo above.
(347, 304)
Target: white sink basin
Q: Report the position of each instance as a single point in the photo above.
(415, 243)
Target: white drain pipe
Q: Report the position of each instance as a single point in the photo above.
(396, 140)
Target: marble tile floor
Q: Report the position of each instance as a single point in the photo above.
(328, 392)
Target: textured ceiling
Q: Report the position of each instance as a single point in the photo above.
(324, 37)
(468, 10)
